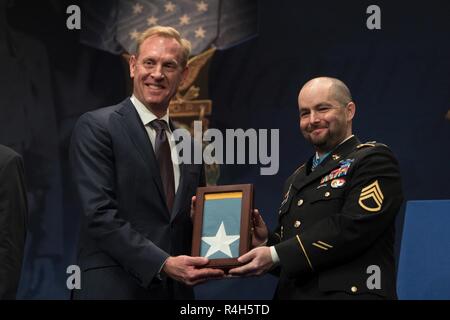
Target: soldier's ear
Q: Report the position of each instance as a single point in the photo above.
(351, 109)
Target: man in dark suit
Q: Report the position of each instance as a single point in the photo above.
(13, 220)
(137, 229)
(335, 238)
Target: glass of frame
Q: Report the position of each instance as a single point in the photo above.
(222, 224)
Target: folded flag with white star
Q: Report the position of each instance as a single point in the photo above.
(115, 25)
(221, 225)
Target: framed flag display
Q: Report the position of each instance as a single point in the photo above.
(222, 224)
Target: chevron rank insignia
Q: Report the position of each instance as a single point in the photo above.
(371, 197)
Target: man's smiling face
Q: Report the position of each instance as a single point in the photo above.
(323, 121)
(157, 72)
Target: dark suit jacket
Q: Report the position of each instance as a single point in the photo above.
(127, 231)
(336, 222)
(13, 219)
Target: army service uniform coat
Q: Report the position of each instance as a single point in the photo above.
(335, 238)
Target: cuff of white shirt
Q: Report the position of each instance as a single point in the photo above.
(274, 254)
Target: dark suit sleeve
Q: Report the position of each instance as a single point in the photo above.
(92, 159)
(13, 217)
(347, 233)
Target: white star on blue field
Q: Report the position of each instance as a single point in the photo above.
(221, 228)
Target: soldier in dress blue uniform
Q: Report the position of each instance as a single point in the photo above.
(335, 238)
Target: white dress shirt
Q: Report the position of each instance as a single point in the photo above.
(146, 117)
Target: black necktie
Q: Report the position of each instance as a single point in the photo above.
(162, 151)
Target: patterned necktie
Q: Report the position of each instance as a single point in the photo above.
(162, 152)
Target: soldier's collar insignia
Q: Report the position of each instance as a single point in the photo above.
(336, 157)
(371, 197)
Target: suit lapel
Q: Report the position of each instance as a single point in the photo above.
(332, 161)
(134, 127)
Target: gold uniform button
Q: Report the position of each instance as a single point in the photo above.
(297, 224)
(327, 194)
(300, 202)
(354, 289)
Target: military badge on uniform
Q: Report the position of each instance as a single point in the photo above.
(334, 174)
(371, 197)
(346, 162)
(339, 172)
(337, 183)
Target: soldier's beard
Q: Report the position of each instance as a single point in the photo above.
(320, 141)
(323, 143)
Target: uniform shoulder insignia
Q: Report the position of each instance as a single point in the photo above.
(371, 197)
(382, 144)
(370, 144)
(366, 144)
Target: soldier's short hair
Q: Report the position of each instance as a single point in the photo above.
(340, 92)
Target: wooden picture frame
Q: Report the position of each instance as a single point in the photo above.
(217, 209)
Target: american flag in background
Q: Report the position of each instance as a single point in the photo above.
(115, 25)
